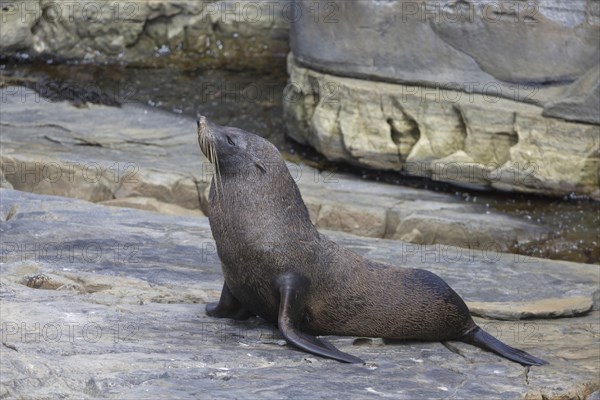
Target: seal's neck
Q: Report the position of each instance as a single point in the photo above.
(268, 194)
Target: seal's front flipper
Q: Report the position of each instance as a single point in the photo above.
(291, 308)
(227, 307)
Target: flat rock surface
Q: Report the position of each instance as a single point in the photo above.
(545, 308)
(104, 301)
(100, 153)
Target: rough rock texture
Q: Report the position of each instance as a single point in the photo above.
(16, 30)
(120, 155)
(580, 101)
(108, 302)
(466, 139)
(525, 51)
(149, 32)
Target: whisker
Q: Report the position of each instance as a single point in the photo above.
(219, 180)
(210, 152)
(215, 180)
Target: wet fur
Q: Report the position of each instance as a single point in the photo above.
(262, 230)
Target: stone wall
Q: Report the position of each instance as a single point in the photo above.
(502, 94)
(466, 139)
(148, 33)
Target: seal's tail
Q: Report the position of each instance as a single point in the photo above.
(480, 338)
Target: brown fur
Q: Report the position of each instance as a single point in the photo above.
(263, 231)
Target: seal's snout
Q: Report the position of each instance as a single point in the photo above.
(203, 127)
(205, 137)
(202, 123)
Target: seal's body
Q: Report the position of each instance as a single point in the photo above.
(278, 266)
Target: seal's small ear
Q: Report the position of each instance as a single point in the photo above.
(260, 166)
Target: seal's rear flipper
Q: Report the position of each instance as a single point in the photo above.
(227, 307)
(481, 338)
(291, 307)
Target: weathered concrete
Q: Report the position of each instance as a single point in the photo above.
(107, 302)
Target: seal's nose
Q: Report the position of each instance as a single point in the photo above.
(202, 121)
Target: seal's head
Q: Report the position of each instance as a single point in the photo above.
(233, 149)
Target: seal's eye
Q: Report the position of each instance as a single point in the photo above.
(230, 141)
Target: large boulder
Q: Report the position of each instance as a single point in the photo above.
(466, 139)
(149, 33)
(525, 51)
(470, 92)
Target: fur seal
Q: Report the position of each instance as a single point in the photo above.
(278, 266)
